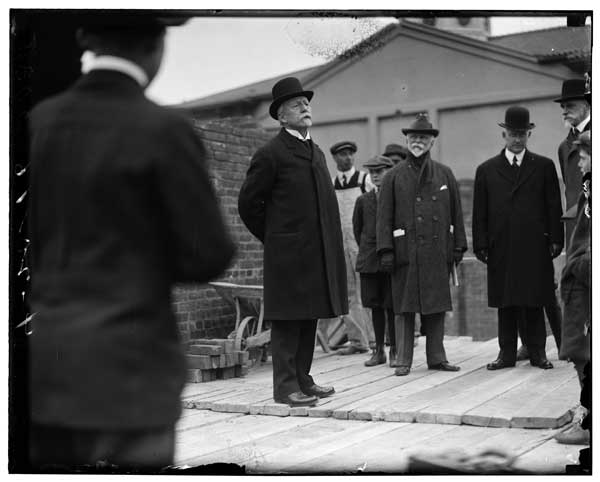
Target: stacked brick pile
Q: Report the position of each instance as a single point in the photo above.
(215, 359)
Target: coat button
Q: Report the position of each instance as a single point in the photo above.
(419, 218)
(435, 218)
(435, 236)
(434, 198)
(418, 199)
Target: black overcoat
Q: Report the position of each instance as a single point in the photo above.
(287, 201)
(568, 157)
(419, 218)
(363, 223)
(121, 208)
(516, 222)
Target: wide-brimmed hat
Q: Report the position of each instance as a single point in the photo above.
(516, 118)
(378, 162)
(397, 149)
(574, 89)
(584, 141)
(338, 146)
(421, 125)
(286, 89)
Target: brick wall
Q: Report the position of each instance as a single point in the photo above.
(230, 144)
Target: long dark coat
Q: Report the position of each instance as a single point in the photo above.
(363, 223)
(568, 157)
(121, 208)
(425, 205)
(516, 222)
(575, 287)
(287, 201)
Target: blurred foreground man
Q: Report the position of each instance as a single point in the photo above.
(516, 233)
(121, 209)
(287, 201)
(420, 235)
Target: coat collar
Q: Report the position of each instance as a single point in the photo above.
(426, 172)
(295, 145)
(525, 171)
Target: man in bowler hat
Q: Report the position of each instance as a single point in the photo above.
(121, 209)
(420, 235)
(287, 201)
(517, 232)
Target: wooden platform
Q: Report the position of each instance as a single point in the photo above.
(520, 397)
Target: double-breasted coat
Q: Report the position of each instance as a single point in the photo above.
(568, 157)
(287, 201)
(121, 209)
(516, 218)
(420, 220)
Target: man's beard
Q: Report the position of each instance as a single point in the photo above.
(417, 151)
(568, 123)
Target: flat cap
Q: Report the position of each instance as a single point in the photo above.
(338, 146)
(378, 162)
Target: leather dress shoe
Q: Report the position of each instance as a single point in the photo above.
(444, 367)
(522, 353)
(499, 364)
(542, 363)
(351, 350)
(402, 370)
(298, 399)
(319, 391)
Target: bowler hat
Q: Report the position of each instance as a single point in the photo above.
(338, 146)
(421, 125)
(395, 149)
(573, 89)
(517, 118)
(286, 89)
(584, 141)
(378, 162)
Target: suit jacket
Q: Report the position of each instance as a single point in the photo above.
(419, 219)
(516, 220)
(364, 222)
(568, 157)
(287, 201)
(121, 209)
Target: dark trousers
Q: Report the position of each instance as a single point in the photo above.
(67, 449)
(533, 331)
(292, 348)
(379, 322)
(405, 337)
(554, 315)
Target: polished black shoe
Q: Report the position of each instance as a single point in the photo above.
(522, 353)
(542, 363)
(377, 358)
(402, 371)
(499, 364)
(298, 399)
(444, 367)
(319, 391)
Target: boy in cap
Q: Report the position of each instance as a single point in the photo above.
(375, 285)
(395, 152)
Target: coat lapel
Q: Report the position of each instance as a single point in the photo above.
(503, 167)
(294, 145)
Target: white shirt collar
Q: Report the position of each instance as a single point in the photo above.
(90, 61)
(297, 135)
(511, 155)
(349, 173)
(582, 125)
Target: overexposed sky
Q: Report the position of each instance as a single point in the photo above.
(213, 54)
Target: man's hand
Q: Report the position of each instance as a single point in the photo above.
(482, 255)
(458, 256)
(386, 262)
(555, 250)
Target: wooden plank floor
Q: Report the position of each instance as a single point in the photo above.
(519, 397)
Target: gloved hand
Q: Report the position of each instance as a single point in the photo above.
(482, 255)
(386, 262)
(555, 250)
(458, 256)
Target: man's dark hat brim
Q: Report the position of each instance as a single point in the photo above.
(280, 100)
(433, 132)
(528, 127)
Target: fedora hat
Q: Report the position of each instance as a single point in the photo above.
(286, 89)
(422, 125)
(573, 89)
(378, 162)
(517, 118)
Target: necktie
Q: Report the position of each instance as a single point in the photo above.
(344, 181)
(515, 164)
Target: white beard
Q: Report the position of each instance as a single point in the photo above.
(417, 152)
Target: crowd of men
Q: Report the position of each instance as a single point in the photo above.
(130, 211)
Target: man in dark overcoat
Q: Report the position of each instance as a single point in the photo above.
(287, 201)
(420, 235)
(517, 232)
(121, 209)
